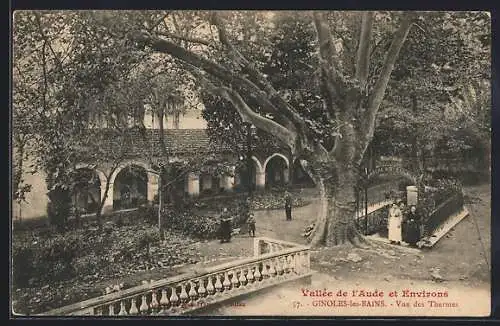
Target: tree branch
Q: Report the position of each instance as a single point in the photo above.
(290, 113)
(287, 136)
(332, 78)
(363, 54)
(265, 95)
(187, 39)
(380, 87)
(247, 115)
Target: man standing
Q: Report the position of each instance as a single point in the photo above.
(288, 206)
(225, 226)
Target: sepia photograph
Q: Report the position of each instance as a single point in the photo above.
(250, 163)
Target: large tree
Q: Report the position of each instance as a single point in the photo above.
(356, 53)
(350, 99)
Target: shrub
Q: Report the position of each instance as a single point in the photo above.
(51, 259)
(145, 238)
(203, 227)
(22, 263)
(59, 207)
(439, 191)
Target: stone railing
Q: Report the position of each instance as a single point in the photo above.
(274, 262)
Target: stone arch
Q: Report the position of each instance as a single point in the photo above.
(88, 192)
(257, 174)
(123, 165)
(277, 172)
(274, 155)
(100, 174)
(130, 188)
(259, 165)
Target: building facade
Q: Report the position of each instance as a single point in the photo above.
(192, 161)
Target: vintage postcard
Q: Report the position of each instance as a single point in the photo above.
(251, 163)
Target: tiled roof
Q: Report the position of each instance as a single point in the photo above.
(177, 141)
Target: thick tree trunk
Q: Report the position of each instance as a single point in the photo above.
(319, 232)
(335, 224)
(341, 226)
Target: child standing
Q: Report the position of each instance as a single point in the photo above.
(251, 225)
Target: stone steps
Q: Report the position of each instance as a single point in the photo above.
(444, 228)
(427, 242)
(374, 207)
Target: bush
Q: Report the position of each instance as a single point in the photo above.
(466, 177)
(203, 227)
(275, 200)
(439, 191)
(59, 207)
(48, 260)
(146, 237)
(22, 264)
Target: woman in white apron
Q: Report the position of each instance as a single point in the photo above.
(394, 222)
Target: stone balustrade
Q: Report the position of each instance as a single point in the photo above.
(274, 262)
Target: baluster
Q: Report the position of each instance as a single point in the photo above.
(250, 276)
(164, 302)
(123, 310)
(210, 286)
(305, 261)
(308, 261)
(298, 268)
(226, 283)
(234, 280)
(201, 288)
(112, 309)
(265, 272)
(133, 308)
(144, 305)
(301, 262)
(279, 266)
(98, 311)
(193, 295)
(288, 263)
(257, 275)
(218, 284)
(183, 296)
(174, 299)
(155, 305)
(272, 270)
(242, 279)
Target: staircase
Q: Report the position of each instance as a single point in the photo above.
(443, 229)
